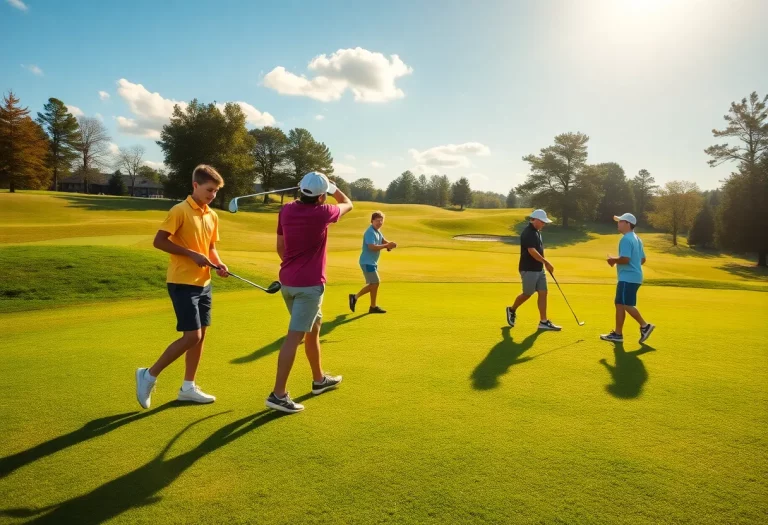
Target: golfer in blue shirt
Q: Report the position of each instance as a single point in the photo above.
(629, 267)
(373, 243)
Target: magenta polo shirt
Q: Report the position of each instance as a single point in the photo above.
(304, 228)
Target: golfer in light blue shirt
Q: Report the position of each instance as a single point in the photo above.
(373, 243)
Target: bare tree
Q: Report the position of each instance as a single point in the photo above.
(129, 160)
(93, 146)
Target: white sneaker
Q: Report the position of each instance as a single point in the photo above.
(144, 387)
(195, 395)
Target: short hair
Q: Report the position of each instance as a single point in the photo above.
(377, 215)
(632, 226)
(307, 199)
(204, 173)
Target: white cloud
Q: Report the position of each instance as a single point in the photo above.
(377, 164)
(99, 116)
(319, 117)
(18, 4)
(343, 169)
(114, 149)
(154, 165)
(476, 176)
(253, 116)
(448, 156)
(32, 68)
(370, 76)
(103, 95)
(350, 157)
(151, 110)
(76, 111)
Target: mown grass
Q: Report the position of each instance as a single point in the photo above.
(445, 414)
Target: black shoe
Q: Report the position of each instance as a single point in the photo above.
(549, 325)
(328, 383)
(511, 316)
(645, 332)
(612, 337)
(352, 302)
(285, 404)
(376, 310)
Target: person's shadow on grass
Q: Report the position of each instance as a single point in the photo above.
(97, 427)
(629, 373)
(502, 356)
(141, 486)
(326, 328)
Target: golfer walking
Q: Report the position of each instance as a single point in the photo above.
(629, 268)
(532, 264)
(302, 238)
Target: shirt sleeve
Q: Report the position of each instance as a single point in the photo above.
(370, 237)
(280, 222)
(528, 239)
(333, 213)
(625, 247)
(172, 221)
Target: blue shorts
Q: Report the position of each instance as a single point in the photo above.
(192, 305)
(626, 293)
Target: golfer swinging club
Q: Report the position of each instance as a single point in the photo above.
(532, 263)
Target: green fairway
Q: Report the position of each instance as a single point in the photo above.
(446, 415)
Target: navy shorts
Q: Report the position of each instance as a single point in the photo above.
(192, 305)
(626, 293)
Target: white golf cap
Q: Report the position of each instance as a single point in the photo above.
(541, 215)
(315, 183)
(626, 217)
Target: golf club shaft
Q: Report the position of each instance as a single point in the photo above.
(267, 192)
(564, 297)
(238, 277)
(246, 281)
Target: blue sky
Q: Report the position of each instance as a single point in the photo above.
(461, 88)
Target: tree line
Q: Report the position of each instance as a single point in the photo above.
(733, 218)
(37, 154)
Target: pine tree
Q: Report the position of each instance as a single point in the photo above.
(64, 136)
(23, 147)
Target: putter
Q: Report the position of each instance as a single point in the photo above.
(580, 323)
(233, 202)
(272, 288)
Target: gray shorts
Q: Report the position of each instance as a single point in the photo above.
(304, 306)
(370, 273)
(534, 282)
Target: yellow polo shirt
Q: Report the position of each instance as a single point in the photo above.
(192, 227)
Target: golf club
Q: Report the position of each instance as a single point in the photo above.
(233, 202)
(580, 323)
(272, 288)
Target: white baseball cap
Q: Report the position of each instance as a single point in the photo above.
(315, 183)
(626, 217)
(541, 215)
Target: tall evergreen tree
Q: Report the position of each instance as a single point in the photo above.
(64, 136)
(23, 147)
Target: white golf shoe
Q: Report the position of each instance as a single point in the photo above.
(144, 387)
(195, 395)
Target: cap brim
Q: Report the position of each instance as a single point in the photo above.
(617, 218)
(545, 220)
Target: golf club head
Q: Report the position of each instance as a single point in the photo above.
(274, 287)
(581, 323)
(233, 206)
